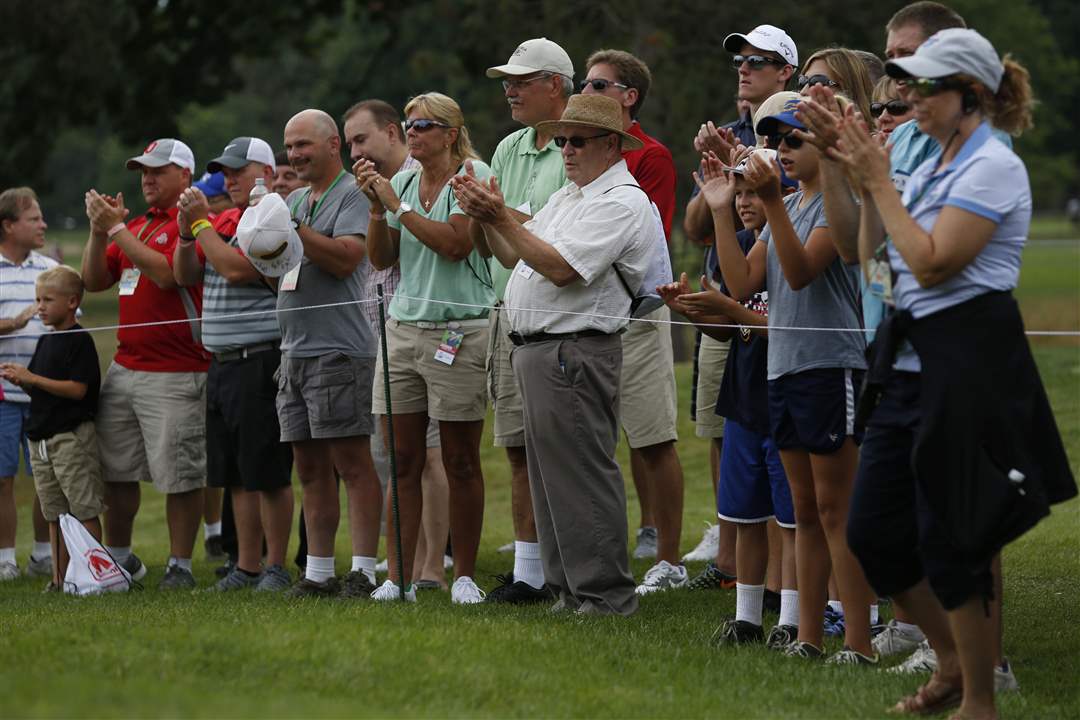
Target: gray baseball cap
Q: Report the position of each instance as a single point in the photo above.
(163, 152)
(951, 52)
(241, 151)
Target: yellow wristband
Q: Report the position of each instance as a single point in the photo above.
(198, 226)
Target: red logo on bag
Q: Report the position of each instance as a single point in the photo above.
(101, 564)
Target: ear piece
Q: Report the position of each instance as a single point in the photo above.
(969, 101)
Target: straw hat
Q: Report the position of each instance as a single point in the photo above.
(594, 111)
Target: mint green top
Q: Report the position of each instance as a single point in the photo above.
(527, 177)
(425, 273)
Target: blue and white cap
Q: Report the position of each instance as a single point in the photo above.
(953, 51)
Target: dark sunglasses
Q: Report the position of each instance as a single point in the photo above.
(600, 85)
(423, 124)
(773, 141)
(576, 141)
(925, 87)
(756, 62)
(896, 108)
(805, 80)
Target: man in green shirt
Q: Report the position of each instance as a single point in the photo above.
(538, 79)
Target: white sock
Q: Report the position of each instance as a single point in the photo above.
(183, 563)
(120, 554)
(527, 566)
(319, 569)
(748, 600)
(365, 565)
(41, 550)
(789, 607)
(7, 555)
(874, 614)
(212, 529)
(836, 606)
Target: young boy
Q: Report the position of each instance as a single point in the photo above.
(63, 380)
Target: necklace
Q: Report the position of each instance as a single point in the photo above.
(435, 194)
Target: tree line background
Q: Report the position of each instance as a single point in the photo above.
(86, 84)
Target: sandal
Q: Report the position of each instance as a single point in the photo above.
(927, 701)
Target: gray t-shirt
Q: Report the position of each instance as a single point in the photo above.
(830, 301)
(343, 210)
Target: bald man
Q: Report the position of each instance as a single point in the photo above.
(328, 359)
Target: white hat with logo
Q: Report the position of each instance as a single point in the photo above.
(266, 236)
(536, 55)
(765, 37)
(163, 152)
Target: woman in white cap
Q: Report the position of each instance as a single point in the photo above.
(437, 333)
(956, 464)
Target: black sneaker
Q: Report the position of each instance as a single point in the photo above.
(177, 578)
(737, 632)
(225, 569)
(311, 589)
(771, 602)
(516, 593)
(215, 549)
(804, 650)
(711, 578)
(134, 567)
(355, 584)
(781, 636)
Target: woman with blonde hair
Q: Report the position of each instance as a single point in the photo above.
(436, 333)
(842, 70)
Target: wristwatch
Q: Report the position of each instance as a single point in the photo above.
(295, 224)
(403, 208)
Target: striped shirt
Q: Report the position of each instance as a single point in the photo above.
(389, 278)
(16, 292)
(221, 334)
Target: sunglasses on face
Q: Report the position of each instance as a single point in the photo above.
(896, 108)
(517, 84)
(925, 87)
(788, 138)
(819, 79)
(423, 124)
(601, 84)
(576, 141)
(756, 62)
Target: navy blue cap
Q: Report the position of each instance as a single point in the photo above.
(767, 125)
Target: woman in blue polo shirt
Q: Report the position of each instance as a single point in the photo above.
(955, 463)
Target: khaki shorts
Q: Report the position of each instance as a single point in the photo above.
(151, 426)
(712, 357)
(647, 395)
(324, 397)
(421, 384)
(502, 387)
(67, 474)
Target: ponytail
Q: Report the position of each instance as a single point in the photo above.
(1010, 109)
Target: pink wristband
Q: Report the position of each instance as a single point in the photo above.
(115, 229)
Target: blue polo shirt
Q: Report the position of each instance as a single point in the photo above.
(985, 178)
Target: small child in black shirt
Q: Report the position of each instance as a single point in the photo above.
(63, 381)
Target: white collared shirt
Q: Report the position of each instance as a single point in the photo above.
(594, 228)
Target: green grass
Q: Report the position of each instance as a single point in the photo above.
(152, 654)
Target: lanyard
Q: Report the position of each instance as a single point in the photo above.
(145, 232)
(315, 211)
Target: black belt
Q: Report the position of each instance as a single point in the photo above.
(245, 352)
(519, 339)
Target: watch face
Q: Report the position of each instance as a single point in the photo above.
(404, 208)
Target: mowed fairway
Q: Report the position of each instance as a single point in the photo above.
(164, 655)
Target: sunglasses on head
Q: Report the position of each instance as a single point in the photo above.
(601, 84)
(818, 79)
(925, 87)
(423, 124)
(576, 141)
(896, 108)
(756, 62)
(788, 138)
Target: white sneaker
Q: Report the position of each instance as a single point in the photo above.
(662, 576)
(9, 571)
(894, 640)
(924, 659)
(1004, 680)
(389, 591)
(465, 592)
(382, 566)
(507, 548)
(707, 548)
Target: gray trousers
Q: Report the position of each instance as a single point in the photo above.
(570, 391)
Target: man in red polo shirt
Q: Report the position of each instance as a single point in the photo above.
(648, 393)
(151, 417)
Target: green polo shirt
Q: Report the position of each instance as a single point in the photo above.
(527, 177)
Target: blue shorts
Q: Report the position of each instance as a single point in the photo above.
(753, 486)
(814, 410)
(13, 418)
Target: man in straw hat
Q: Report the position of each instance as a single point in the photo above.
(579, 253)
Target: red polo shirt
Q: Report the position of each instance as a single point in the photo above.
(654, 169)
(157, 348)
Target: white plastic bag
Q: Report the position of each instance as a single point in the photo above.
(91, 569)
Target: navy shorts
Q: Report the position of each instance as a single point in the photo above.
(753, 486)
(13, 419)
(814, 410)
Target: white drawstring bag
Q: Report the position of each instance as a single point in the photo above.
(91, 569)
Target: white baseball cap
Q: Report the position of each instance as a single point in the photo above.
(951, 52)
(241, 151)
(162, 152)
(266, 237)
(536, 55)
(765, 37)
